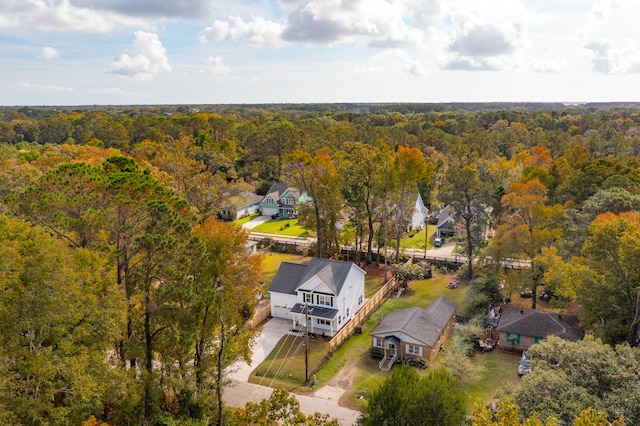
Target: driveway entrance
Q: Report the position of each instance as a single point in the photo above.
(271, 333)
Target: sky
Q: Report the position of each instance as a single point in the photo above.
(123, 52)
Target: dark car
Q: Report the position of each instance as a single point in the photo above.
(546, 295)
(438, 242)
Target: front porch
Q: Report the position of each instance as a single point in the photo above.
(315, 319)
(390, 353)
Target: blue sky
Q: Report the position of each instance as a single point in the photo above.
(84, 52)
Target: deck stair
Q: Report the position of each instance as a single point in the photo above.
(387, 362)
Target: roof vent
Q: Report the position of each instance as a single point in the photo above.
(521, 312)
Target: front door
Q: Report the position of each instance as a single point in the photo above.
(392, 349)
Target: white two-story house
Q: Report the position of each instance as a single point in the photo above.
(324, 294)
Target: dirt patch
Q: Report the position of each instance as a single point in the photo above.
(344, 378)
(375, 270)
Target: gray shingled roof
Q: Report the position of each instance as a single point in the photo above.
(277, 189)
(529, 322)
(287, 278)
(290, 276)
(316, 311)
(424, 325)
(446, 217)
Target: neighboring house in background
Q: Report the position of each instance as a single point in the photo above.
(280, 200)
(413, 334)
(238, 206)
(419, 214)
(252, 247)
(520, 328)
(327, 292)
(446, 226)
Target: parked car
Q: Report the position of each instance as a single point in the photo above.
(438, 242)
(546, 295)
(526, 293)
(524, 367)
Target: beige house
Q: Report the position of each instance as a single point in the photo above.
(414, 334)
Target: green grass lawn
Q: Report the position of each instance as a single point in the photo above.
(352, 363)
(417, 241)
(284, 367)
(288, 227)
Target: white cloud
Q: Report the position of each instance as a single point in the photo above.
(108, 91)
(390, 59)
(487, 40)
(216, 32)
(146, 58)
(60, 15)
(553, 62)
(462, 63)
(44, 87)
(609, 36)
(382, 22)
(50, 53)
(608, 59)
(482, 35)
(216, 65)
(189, 9)
(258, 32)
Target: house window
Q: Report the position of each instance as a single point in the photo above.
(360, 300)
(308, 298)
(347, 312)
(414, 350)
(325, 300)
(321, 321)
(339, 319)
(377, 342)
(513, 338)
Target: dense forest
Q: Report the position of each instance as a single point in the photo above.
(124, 296)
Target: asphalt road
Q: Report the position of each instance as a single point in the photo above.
(239, 393)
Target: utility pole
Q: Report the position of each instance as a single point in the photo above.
(426, 233)
(306, 345)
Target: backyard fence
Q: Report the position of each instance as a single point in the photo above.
(261, 314)
(363, 314)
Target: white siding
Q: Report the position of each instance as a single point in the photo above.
(281, 305)
(351, 298)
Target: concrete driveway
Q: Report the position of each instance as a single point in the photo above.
(255, 222)
(271, 333)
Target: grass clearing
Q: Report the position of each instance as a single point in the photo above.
(286, 227)
(284, 367)
(351, 366)
(417, 241)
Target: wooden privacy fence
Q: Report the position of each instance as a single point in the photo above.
(260, 315)
(363, 314)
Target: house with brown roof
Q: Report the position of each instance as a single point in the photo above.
(520, 328)
(413, 334)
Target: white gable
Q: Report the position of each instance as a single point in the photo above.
(315, 284)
